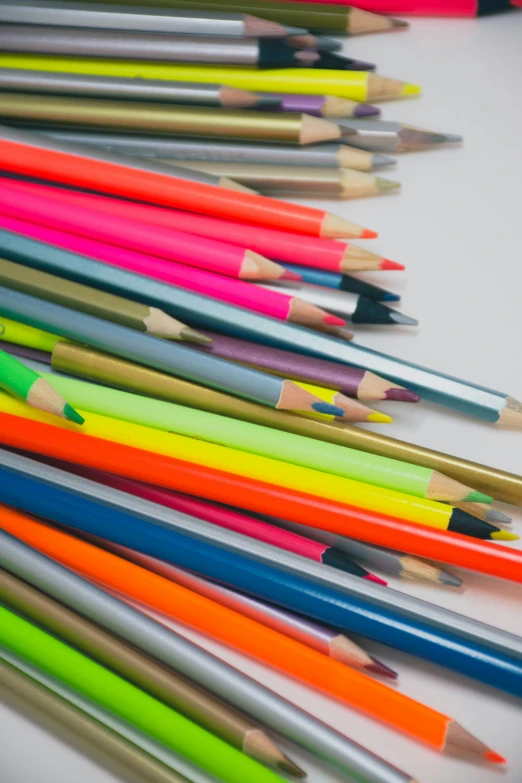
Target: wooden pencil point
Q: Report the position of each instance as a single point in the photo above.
(257, 267)
(444, 488)
(336, 227)
(461, 739)
(316, 129)
(194, 337)
(160, 324)
(511, 414)
(230, 184)
(259, 746)
(363, 22)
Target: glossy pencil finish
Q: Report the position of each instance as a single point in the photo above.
(37, 156)
(280, 244)
(24, 352)
(116, 694)
(343, 282)
(114, 752)
(158, 353)
(50, 83)
(91, 300)
(178, 693)
(393, 137)
(98, 15)
(319, 105)
(195, 663)
(434, 7)
(17, 333)
(159, 147)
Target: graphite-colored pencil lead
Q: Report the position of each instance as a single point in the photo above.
(194, 337)
(446, 578)
(404, 320)
(379, 160)
(484, 511)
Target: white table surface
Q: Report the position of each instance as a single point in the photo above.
(456, 226)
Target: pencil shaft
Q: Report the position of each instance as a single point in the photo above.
(196, 663)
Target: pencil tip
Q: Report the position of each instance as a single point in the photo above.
(496, 758)
(326, 407)
(367, 233)
(191, 336)
(287, 767)
(404, 320)
(504, 535)
(379, 160)
(389, 265)
(377, 667)
(410, 89)
(376, 579)
(289, 275)
(379, 418)
(71, 415)
(387, 296)
(445, 578)
(386, 184)
(333, 320)
(494, 515)
(399, 23)
(477, 497)
(366, 110)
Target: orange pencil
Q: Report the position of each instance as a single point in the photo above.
(421, 540)
(251, 638)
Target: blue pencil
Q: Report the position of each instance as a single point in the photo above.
(59, 503)
(342, 282)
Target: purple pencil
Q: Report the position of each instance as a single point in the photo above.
(322, 105)
(25, 353)
(351, 381)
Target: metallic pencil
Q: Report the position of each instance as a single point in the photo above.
(342, 282)
(193, 662)
(116, 88)
(386, 136)
(150, 20)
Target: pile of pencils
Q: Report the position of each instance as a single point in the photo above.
(179, 392)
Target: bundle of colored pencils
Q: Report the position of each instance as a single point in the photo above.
(179, 392)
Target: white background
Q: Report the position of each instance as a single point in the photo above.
(456, 226)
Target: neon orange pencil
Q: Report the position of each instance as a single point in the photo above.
(241, 633)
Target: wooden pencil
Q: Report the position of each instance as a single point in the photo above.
(485, 512)
(163, 683)
(90, 300)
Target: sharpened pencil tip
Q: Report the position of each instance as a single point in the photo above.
(379, 418)
(504, 535)
(387, 296)
(289, 275)
(191, 336)
(376, 579)
(401, 395)
(288, 767)
(388, 265)
(367, 233)
(410, 89)
(494, 515)
(326, 407)
(366, 110)
(453, 138)
(496, 758)
(377, 667)
(71, 415)
(386, 184)
(445, 578)
(379, 160)
(333, 320)
(404, 320)
(399, 23)
(477, 497)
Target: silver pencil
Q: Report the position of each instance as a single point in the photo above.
(153, 20)
(195, 663)
(387, 136)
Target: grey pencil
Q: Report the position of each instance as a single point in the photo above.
(183, 696)
(386, 136)
(386, 598)
(119, 88)
(157, 751)
(353, 307)
(389, 560)
(160, 354)
(114, 751)
(157, 47)
(159, 147)
(305, 181)
(158, 20)
(195, 663)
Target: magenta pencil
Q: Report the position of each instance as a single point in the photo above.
(226, 289)
(232, 520)
(35, 205)
(293, 248)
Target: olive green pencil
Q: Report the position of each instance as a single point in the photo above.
(27, 385)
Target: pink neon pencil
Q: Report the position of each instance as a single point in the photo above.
(426, 7)
(294, 248)
(36, 206)
(226, 289)
(232, 520)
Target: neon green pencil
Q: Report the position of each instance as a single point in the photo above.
(264, 441)
(130, 703)
(28, 385)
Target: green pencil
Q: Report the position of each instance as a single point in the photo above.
(264, 441)
(130, 703)
(22, 382)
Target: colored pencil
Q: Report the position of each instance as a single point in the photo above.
(483, 511)
(200, 252)
(292, 247)
(192, 121)
(325, 156)
(326, 640)
(91, 300)
(95, 15)
(434, 7)
(343, 282)
(305, 182)
(194, 662)
(389, 560)
(29, 386)
(351, 411)
(316, 105)
(129, 702)
(160, 354)
(335, 61)
(461, 395)
(219, 96)
(31, 154)
(301, 662)
(253, 439)
(216, 485)
(356, 85)
(167, 686)
(353, 307)
(23, 352)
(16, 333)
(350, 21)
(95, 366)
(115, 753)
(392, 137)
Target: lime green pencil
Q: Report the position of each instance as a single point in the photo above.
(30, 336)
(130, 703)
(264, 441)
(26, 384)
